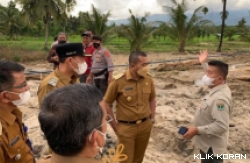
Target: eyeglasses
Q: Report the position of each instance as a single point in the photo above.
(25, 84)
(109, 118)
(21, 86)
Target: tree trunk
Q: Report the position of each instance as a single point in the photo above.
(182, 46)
(222, 25)
(46, 31)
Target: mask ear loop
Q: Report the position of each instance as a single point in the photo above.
(90, 136)
(4, 96)
(14, 93)
(99, 127)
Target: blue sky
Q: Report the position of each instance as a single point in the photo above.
(119, 8)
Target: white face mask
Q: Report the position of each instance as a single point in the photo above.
(105, 138)
(207, 80)
(82, 68)
(24, 97)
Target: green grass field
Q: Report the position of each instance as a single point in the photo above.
(119, 45)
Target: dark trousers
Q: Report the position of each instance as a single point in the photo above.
(102, 85)
(83, 78)
(210, 160)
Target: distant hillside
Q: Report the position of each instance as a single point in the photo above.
(233, 18)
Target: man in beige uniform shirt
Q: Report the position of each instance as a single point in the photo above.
(211, 120)
(71, 65)
(15, 145)
(134, 93)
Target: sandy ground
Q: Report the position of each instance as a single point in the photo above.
(177, 100)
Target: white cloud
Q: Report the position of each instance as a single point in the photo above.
(119, 9)
(4, 2)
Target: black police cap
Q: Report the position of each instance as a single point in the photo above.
(70, 50)
(86, 34)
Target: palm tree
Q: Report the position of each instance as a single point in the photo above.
(243, 30)
(180, 27)
(161, 31)
(10, 23)
(47, 10)
(205, 10)
(137, 32)
(97, 22)
(223, 17)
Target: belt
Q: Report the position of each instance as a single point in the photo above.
(134, 122)
(100, 72)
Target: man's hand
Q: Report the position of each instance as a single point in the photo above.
(203, 56)
(89, 80)
(55, 58)
(106, 106)
(110, 79)
(192, 131)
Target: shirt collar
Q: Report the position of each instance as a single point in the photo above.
(62, 159)
(10, 118)
(91, 44)
(216, 88)
(129, 76)
(66, 79)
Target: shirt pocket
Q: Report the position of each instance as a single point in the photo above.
(129, 98)
(204, 106)
(146, 92)
(98, 59)
(18, 152)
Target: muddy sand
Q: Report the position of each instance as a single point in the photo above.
(178, 96)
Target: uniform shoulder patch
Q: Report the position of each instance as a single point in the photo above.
(107, 53)
(149, 74)
(220, 106)
(46, 157)
(53, 81)
(1, 128)
(118, 76)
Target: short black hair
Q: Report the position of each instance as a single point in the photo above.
(95, 37)
(221, 66)
(134, 56)
(91, 31)
(6, 77)
(55, 38)
(61, 33)
(68, 115)
(62, 60)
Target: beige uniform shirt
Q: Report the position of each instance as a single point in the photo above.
(60, 159)
(13, 147)
(101, 58)
(212, 120)
(53, 81)
(132, 97)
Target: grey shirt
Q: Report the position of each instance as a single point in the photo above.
(101, 58)
(212, 120)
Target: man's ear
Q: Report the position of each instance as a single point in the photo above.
(132, 65)
(68, 60)
(3, 97)
(93, 139)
